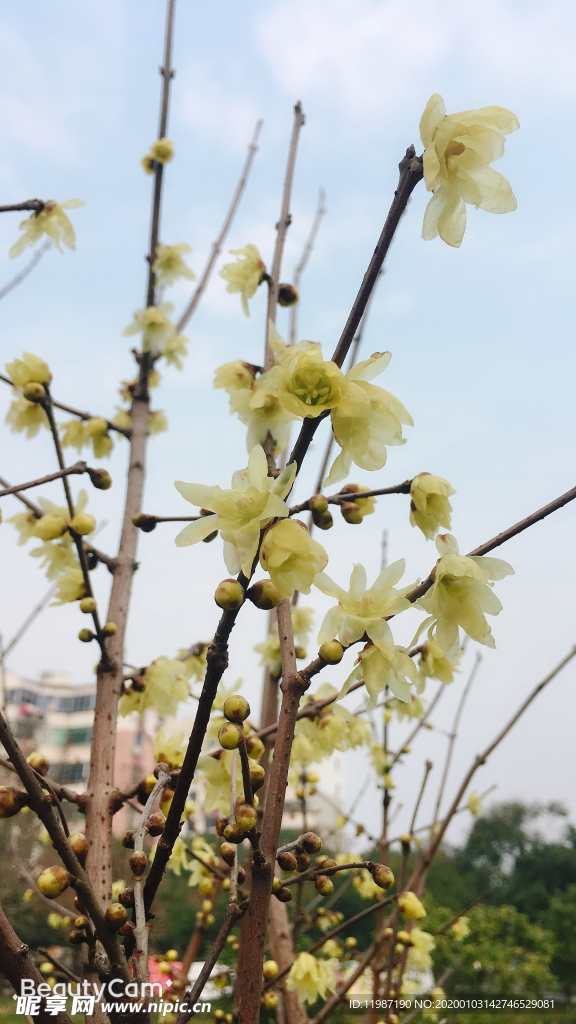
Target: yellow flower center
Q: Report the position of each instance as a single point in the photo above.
(455, 148)
(311, 387)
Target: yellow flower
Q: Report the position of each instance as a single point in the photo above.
(340, 822)
(435, 665)
(52, 221)
(25, 523)
(460, 929)
(459, 149)
(245, 274)
(260, 410)
(413, 709)
(71, 587)
(371, 419)
(165, 685)
(74, 434)
(461, 594)
(307, 386)
(123, 419)
(331, 948)
(102, 443)
(30, 369)
(232, 376)
(59, 557)
(291, 556)
(169, 265)
(195, 663)
(366, 886)
(154, 325)
(117, 888)
(361, 611)
(475, 804)
(175, 348)
(157, 422)
(419, 953)
(410, 906)
(54, 920)
(57, 519)
(429, 506)
(395, 669)
(241, 512)
(162, 151)
(270, 648)
(379, 758)
(310, 978)
(217, 771)
(26, 416)
(167, 750)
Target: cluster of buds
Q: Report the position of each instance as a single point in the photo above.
(79, 933)
(306, 786)
(220, 1014)
(321, 517)
(234, 943)
(297, 859)
(324, 919)
(204, 916)
(354, 511)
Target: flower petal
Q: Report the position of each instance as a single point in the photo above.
(196, 494)
(194, 532)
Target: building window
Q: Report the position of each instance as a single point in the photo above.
(63, 773)
(67, 737)
(70, 704)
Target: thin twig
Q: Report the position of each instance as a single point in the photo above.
(454, 734)
(209, 867)
(141, 930)
(78, 467)
(233, 914)
(427, 769)
(342, 496)
(420, 725)
(76, 412)
(303, 262)
(36, 205)
(445, 927)
(59, 967)
(27, 269)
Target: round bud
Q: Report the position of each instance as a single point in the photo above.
(351, 942)
(270, 969)
(236, 708)
(318, 503)
(210, 919)
(207, 906)
(300, 652)
(34, 392)
(246, 818)
(287, 295)
(83, 523)
(302, 861)
(138, 862)
(77, 937)
(269, 1000)
(126, 898)
(171, 955)
(50, 527)
(110, 629)
(326, 862)
(127, 928)
(87, 605)
(300, 792)
(226, 883)
(100, 478)
(53, 881)
(331, 651)
(311, 842)
(128, 839)
(382, 875)
(229, 595)
(38, 762)
(11, 801)
(264, 595)
(388, 932)
(429, 725)
(351, 512)
(207, 886)
(276, 885)
(287, 860)
(404, 937)
(284, 894)
(145, 523)
(323, 520)
(86, 635)
(219, 1014)
(230, 736)
(228, 853)
(81, 921)
(254, 748)
(79, 844)
(233, 834)
(147, 784)
(405, 840)
(155, 823)
(221, 825)
(324, 885)
(115, 916)
(241, 875)
(257, 775)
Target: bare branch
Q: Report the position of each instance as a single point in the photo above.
(303, 261)
(17, 964)
(233, 914)
(141, 930)
(454, 734)
(78, 467)
(27, 269)
(36, 205)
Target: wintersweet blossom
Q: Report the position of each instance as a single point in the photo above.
(361, 611)
(175, 349)
(291, 556)
(25, 523)
(259, 408)
(162, 151)
(364, 434)
(240, 512)
(57, 518)
(51, 221)
(461, 594)
(154, 325)
(429, 505)
(217, 772)
(231, 376)
(475, 804)
(169, 265)
(308, 386)
(58, 557)
(419, 953)
(459, 150)
(460, 929)
(157, 422)
(245, 274)
(71, 587)
(26, 416)
(378, 670)
(311, 978)
(411, 906)
(29, 369)
(169, 750)
(165, 685)
(435, 665)
(74, 434)
(102, 443)
(413, 709)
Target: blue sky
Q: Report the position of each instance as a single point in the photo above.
(481, 337)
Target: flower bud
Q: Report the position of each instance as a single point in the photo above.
(228, 853)
(233, 834)
(207, 906)
(326, 862)
(81, 921)
(323, 520)
(53, 882)
(404, 937)
(207, 886)
(229, 595)
(79, 844)
(230, 736)
(287, 295)
(145, 523)
(115, 916)
(257, 775)
(246, 818)
(126, 898)
(11, 801)
(221, 825)
(254, 747)
(318, 503)
(171, 955)
(38, 762)
(270, 969)
(100, 478)
(110, 629)
(83, 523)
(155, 823)
(138, 862)
(300, 792)
(50, 527)
(226, 883)
(382, 875)
(405, 840)
(310, 842)
(264, 595)
(77, 937)
(127, 928)
(302, 861)
(87, 605)
(300, 652)
(351, 512)
(34, 392)
(86, 635)
(287, 860)
(331, 651)
(276, 885)
(236, 708)
(269, 1000)
(147, 784)
(324, 885)
(284, 894)
(351, 942)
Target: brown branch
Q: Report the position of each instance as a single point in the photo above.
(336, 999)
(59, 967)
(303, 261)
(167, 74)
(209, 867)
(78, 467)
(342, 496)
(141, 930)
(61, 792)
(410, 175)
(445, 927)
(233, 914)
(427, 769)
(75, 412)
(17, 964)
(454, 733)
(217, 245)
(36, 205)
(282, 229)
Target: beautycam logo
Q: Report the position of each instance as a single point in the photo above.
(144, 998)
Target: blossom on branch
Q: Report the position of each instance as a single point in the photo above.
(435, 665)
(459, 150)
(30, 369)
(311, 978)
(291, 556)
(245, 274)
(74, 434)
(411, 906)
(460, 929)
(52, 221)
(26, 416)
(71, 587)
(419, 953)
(154, 325)
(378, 670)
(169, 265)
(361, 611)
(429, 505)
(166, 683)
